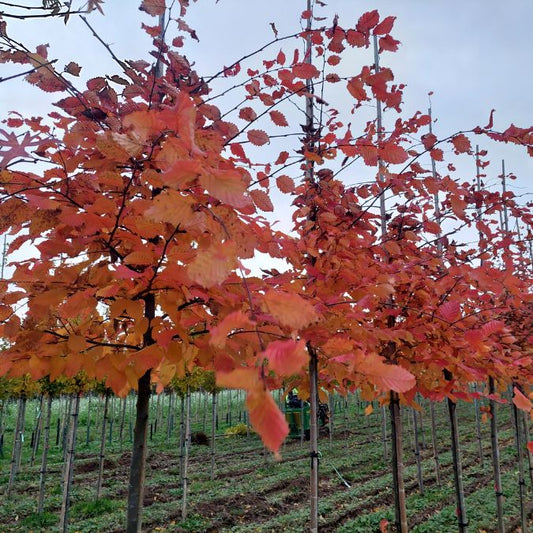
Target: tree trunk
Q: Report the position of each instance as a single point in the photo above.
(185, 480)
(122, 422)
(182, 436)
(44, 457)
(18, 440)
(37, 430)
(521, 477)
(88, 429)
(434, 443)
(457, 468)
(420, 475)
(313, 441)
(102, 447)
(213, 433)
(496, 459)
(384, 432)
(478, 431)
(138, 457)
(397, 464)
(68, 472)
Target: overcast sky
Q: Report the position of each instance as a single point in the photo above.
(475, 55)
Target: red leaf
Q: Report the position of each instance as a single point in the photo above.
(388, 43)
(261, 200)
(385, 26)
(530, 447)
(73, 68)
(285, 184)
(521, 401)
(286, 358)
(493, 326)
(432, 227)
(258, 137)
(266, 418)
(392, 153)
(305, 71)
(450, 311)
(278, 118)
(437, 154)
(429, 140)
(367, 21)
(384, 376)
(356, 89)
(247, 113)
(282, 157)
(153, 7)
(491, 121)
(461, 143)
(289, 309)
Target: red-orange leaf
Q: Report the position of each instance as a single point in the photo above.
(226, 185)
(266, 418)
(153, 7)
(384, 376)
(261, 200)
(356, 89)
(212, 266)
(392, 153)
(285, 184)
(258, 137)
(286, 358)
(367, 21)
(450, 311)
(521, 401)
(233, 321)
(278, 118)
(305, 71)
(385, 26)
(289, 309)
(461, 143)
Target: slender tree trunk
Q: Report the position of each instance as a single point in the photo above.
(102, 447)
(182, 436)
(397, 464)
(478, 431)
(457, 468)
(44, 457)
(521, 477)
(383, 411)
(496, 458)
(88, 429)
(18, 440)
(331, 416)
(420, 475)
(68, 473)
(313, 388)
(434, 442)
(213, 432)
(138, 457)
(185, 480)
(37, 431)
(122, 421)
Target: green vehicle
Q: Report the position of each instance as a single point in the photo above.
(298, 416)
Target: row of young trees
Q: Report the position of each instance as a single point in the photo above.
(146, 212)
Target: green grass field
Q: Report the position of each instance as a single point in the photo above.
(252, 492)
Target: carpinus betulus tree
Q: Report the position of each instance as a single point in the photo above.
(139, 224)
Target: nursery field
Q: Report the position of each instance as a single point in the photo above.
(251, 490)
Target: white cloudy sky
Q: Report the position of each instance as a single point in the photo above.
(475, 55)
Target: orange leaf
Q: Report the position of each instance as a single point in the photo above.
(432, 227)
(356, 89)
(289, 309)
(258, 137)
(212, 266)
(461, 143)
(231, 322)
(239, 378)
(386, 377)
(76, 343)
(267, 420)
(226, 185)
(286, 358)
(521, 401)
(261, 200)
(278, 118)
(437, 154)
(369, 409)
(172, 207)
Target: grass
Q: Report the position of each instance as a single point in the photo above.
(254, 493)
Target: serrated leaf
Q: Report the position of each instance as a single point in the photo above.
(286, 358)
(385, 26)
(392, 153)
(356, 89)
(247, 113)
(450, 311)
(386, 377)
(212, 266)
(285, 184)
(236, 320)
(278, 118)
(289, 309)
(305, 71)
(461, 143)
(261, 200)
(258, 137)
(226, 185)
(367, 21)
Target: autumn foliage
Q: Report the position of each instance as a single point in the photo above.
(145, 211)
